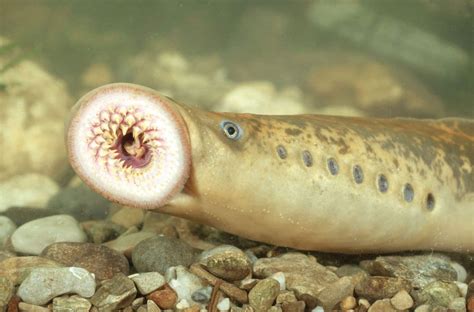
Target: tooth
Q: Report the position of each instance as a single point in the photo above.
(144, 124)
(124, 128)
(97, 131)
(114, 128)
(129, 120)
(136, 132)
(104, 126)
(116, 118)
(122, 111)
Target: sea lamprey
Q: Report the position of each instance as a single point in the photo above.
(338, 184)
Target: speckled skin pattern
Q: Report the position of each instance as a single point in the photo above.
(336, 184)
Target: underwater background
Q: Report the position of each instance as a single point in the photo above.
(408, 58)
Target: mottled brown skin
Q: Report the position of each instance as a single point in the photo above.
(245, 188)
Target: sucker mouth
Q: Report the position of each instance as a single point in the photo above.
(130, 144)
(124, 139)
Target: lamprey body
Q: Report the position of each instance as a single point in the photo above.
(336, 184)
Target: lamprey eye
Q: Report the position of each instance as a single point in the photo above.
(231, 130)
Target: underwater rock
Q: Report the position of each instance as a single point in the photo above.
(165, 297)
(303, 273)
(402, 300)
(148, 282)
(127, 216)
(115, 293)
(227, 262)
(98, 259)
(261, 97)
(379, 34)
(33, 190)
(380, 287)
(43, 284)
(7, 227)
(101, 231)
(34, 107)
(263, 294)
(183, 282)
(335, 292)
(6, 291)
(178, 77)
(382, 305)
(437, 293)
(32, 237)
(371, 87)
(420, 270)
(80, 202)
(16, 269)
(127, 242)
(157, 254)
(72, 303)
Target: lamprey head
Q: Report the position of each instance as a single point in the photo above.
(129, 144)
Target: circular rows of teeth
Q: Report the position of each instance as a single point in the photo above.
(104, 134)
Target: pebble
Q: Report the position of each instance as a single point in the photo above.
(272, 309)
(151, 306)
(183, 282)
(7, 227)
(437, 293)
(202, 295)
(6, 291)
(226, 262)
(101, 231)
(382, 305)
(128, 217)
(158, 253)
(126, 243)
(43, 284)
(34, 236)
(137, 302)
(32, 115)
(463, 288)
(419, 270)
(98, 259)
(280, 278)
(26, 307)
(80, 202)
(16, 269)
(148, 282)
(364, 304)
(424, 308)
(348, 303)
(72, 303)
(262, 295)
(32, 190)
(402, 300)
(332, 294)
(303, 273)
(286, 296)
(457, 305)
(115, 293)
(297, 306)
(165, 297)
(380, 287)
(224, 305)
(262, 97)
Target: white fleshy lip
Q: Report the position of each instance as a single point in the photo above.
(129, 144)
